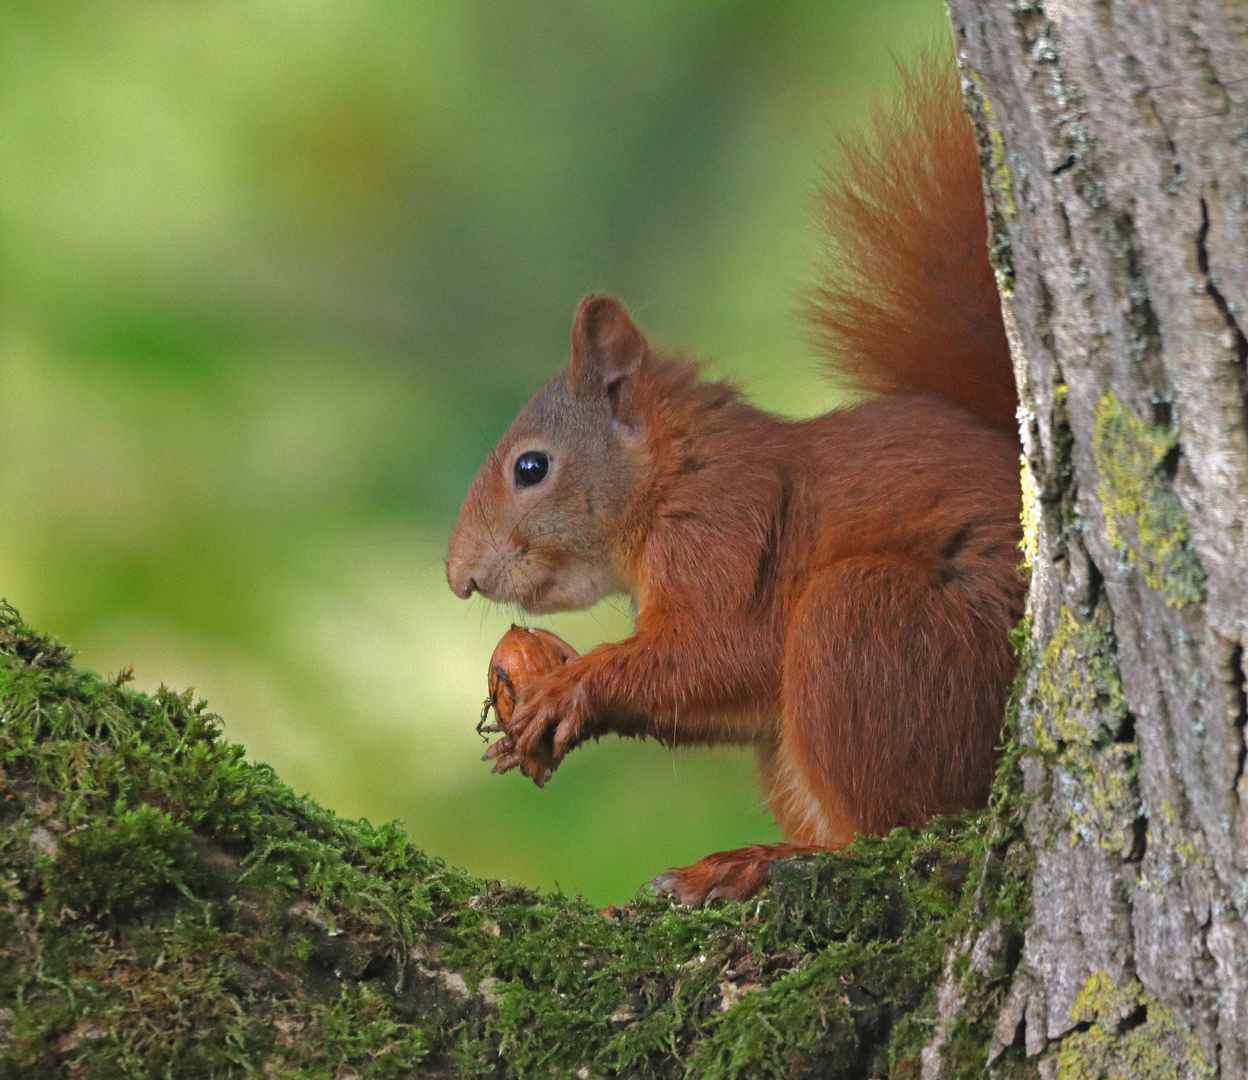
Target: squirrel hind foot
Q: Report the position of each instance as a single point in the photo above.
(739, 874)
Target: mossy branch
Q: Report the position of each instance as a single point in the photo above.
(170, 909)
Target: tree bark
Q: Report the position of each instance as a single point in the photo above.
(1114, 135)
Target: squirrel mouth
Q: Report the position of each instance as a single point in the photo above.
(532, 601)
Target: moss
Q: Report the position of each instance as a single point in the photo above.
(779, 1031)
(168, 908)
(1127, 1036)
(123, 865)
(1143, 516)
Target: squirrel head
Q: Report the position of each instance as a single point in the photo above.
(538, 525)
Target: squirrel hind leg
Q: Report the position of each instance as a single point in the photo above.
(893, 694)
(807, 812)
(742, 873)
(727, 875)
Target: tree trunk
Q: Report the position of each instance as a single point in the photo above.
(1114, 136)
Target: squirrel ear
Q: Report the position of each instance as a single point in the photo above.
(607, 353)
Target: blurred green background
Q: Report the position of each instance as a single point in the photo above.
(275, 275)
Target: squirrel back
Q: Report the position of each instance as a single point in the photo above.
(907, 300)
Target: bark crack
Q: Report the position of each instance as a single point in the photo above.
(1239, 695)
(1219, 301)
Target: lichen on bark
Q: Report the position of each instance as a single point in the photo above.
(1144, 519)
(998, 180)
(1078, 720)
(1124, 1036)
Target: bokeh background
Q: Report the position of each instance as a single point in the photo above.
(275, 274)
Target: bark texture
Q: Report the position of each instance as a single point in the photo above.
(1114, 135)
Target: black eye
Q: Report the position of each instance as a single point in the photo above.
(531, 468)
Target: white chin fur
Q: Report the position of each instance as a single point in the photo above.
(540, 592)
(570, 592)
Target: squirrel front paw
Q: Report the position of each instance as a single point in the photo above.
(550, 718)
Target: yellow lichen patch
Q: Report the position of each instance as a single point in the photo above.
(1000, 179)
(1143, 516)
(1130, 1037)
(1030, 542)
(1096, 795)
(1078, 686)
(1178, 838)
(1102, 1001)
(1077, 715)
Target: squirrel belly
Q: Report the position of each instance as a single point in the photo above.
(836, 592)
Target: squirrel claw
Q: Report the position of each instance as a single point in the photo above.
(498, 749)
(567, 735)
(662, 882)
(669, 882)
(538, 773)
(505, 758)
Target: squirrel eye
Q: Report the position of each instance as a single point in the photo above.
(531, 468)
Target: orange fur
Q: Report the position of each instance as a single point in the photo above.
(907, 301)
(836, 592)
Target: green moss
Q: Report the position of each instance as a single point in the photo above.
(887, 904)
(126, 863)
(1128, 1036)
(1143, 516)
(169, 909)
(771, 1033)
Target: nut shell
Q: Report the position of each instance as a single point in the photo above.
(523, 654)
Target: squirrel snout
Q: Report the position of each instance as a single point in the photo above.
(461, 580)
(463, 564)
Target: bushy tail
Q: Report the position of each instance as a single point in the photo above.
(906, 301)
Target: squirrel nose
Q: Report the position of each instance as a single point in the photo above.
(461, 580)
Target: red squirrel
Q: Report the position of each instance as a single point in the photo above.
(835, 592)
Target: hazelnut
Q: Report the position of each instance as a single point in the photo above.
(523, 654)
